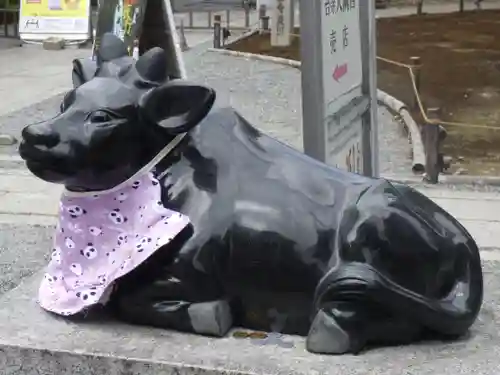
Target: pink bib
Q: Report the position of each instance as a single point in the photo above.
(103, 236)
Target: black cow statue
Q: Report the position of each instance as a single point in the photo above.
(269, 239)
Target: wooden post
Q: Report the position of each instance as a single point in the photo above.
(432, 139)
(217, 31)
(417, 69)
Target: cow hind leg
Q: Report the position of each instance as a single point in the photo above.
(349, 327)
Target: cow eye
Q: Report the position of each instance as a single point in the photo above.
(100, 117)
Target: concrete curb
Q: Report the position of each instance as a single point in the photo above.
(491, 181)
(395, 105)
(245, 35)
(414, 135)
(254, 56)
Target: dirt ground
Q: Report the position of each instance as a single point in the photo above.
(460, 54)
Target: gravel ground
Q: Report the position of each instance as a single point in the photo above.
(23, 251)
(267, 94)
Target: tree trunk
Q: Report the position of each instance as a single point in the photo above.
(462, 6)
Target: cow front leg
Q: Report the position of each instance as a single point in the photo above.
(165, 305)
(347, 327)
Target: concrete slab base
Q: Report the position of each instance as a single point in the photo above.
(7, 140)
(53, 44)
(33, 342)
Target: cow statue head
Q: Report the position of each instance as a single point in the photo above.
(118, 115)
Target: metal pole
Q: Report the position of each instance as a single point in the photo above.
(262, 16)
(311, 75)
(191, 22)
(217, 31)
(5, 24)
(228, 19)
(265, 23)
(370, 141)
(247, 17)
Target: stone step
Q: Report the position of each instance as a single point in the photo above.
(34, 342)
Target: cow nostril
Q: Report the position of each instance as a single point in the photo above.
(40, 135)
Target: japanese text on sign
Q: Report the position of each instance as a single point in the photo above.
(342, 77)
(342, 69)
(336, 6)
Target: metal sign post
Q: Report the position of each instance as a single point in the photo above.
(339, 83)
(142, 24)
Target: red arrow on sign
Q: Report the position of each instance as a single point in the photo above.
(339, 72)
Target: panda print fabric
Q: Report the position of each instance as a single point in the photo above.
(101, 237)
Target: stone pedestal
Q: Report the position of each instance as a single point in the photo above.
(32, 342)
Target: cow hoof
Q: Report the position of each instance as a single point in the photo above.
(326, 336)
(212, 318)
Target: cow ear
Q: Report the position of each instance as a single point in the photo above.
(83, 71)
(177, 106)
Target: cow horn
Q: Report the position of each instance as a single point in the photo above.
(152, 66)
(110, 48)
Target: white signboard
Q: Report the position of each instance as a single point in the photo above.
(341, 39)
(67, 19)
(338, 83)
(342, 79)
